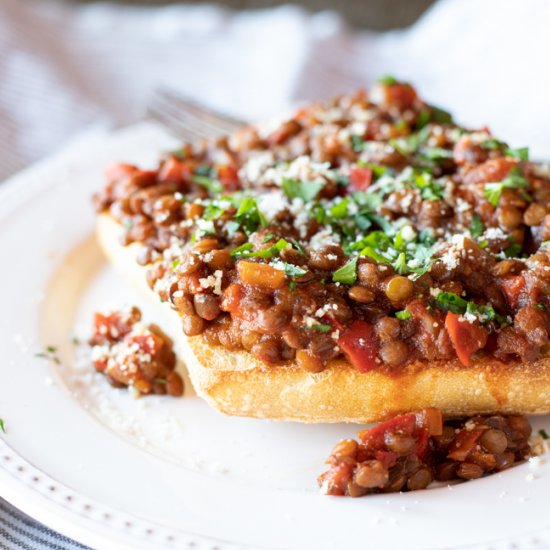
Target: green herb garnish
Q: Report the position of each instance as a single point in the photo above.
(492, 144)
(49, 353)
(357, 143)
(403, 315)
(321, 327)
(431, 190)
(476, 229)
(543, 434)
(449, 301)
(376, 169)
(513, 251)
(441, 116)
(267, 238)
(294, 271)
(246, 250)
(387, 80)
(347, 274)
(305, 190)
(514, 180)
(249, 216)
(521, 153)
(2, 426)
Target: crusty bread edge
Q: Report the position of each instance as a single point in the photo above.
(237, 384)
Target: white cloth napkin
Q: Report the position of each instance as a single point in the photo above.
(67, 68)
(64, 67)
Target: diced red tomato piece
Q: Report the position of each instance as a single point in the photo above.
(359, 343)
(118, 171)
(232, 297)
(423, 445)
(172, 170)
(374, 437)
(466, 337)
(430, 419)
(360, 178)
(512, 287)
(228, 176)
(464, 443)
(491, 170)
(110, 327)
(148, 343)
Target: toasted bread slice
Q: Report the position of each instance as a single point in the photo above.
(238, 384)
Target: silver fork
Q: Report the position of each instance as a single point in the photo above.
(187, 119)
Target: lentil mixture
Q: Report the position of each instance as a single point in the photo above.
(371, 226)
(132, 354)
(410, 451)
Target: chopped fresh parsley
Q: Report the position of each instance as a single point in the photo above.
(249, 216)
(521, 153)
(340, 209)
(441, 116)
(319, 327)
(423, 119)
(476, 228)
(357, 143)
(213, 211)
(377, 169)
(347, 274)
(513, 251)
(449, 301)
(437, 153)
(514, 180)
(298, 247)
(403, 315)
(2, 426)
(430, 189)
(543, 434)
(49, 353)
(388, 80)
(492, 144)
(267, 238)
(294, 271)
(305, 190)
(175, 264)
(246, 250)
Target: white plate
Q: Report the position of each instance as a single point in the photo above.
(115, 472)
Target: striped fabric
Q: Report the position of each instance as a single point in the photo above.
(19, 532)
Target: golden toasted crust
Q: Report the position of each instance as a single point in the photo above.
(238, 384)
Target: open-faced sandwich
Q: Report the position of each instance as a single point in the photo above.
(365, 257)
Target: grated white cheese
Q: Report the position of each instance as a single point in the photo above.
(324, 237)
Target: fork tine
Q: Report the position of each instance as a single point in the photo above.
(184, 116)
(174, 122)
(214, 117)
(182, 132)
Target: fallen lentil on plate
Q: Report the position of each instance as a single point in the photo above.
(371, 226)
(132, 354)
(411, 450)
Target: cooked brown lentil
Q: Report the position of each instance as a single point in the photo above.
(409, 451)
(290, 242)
(132, 354)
